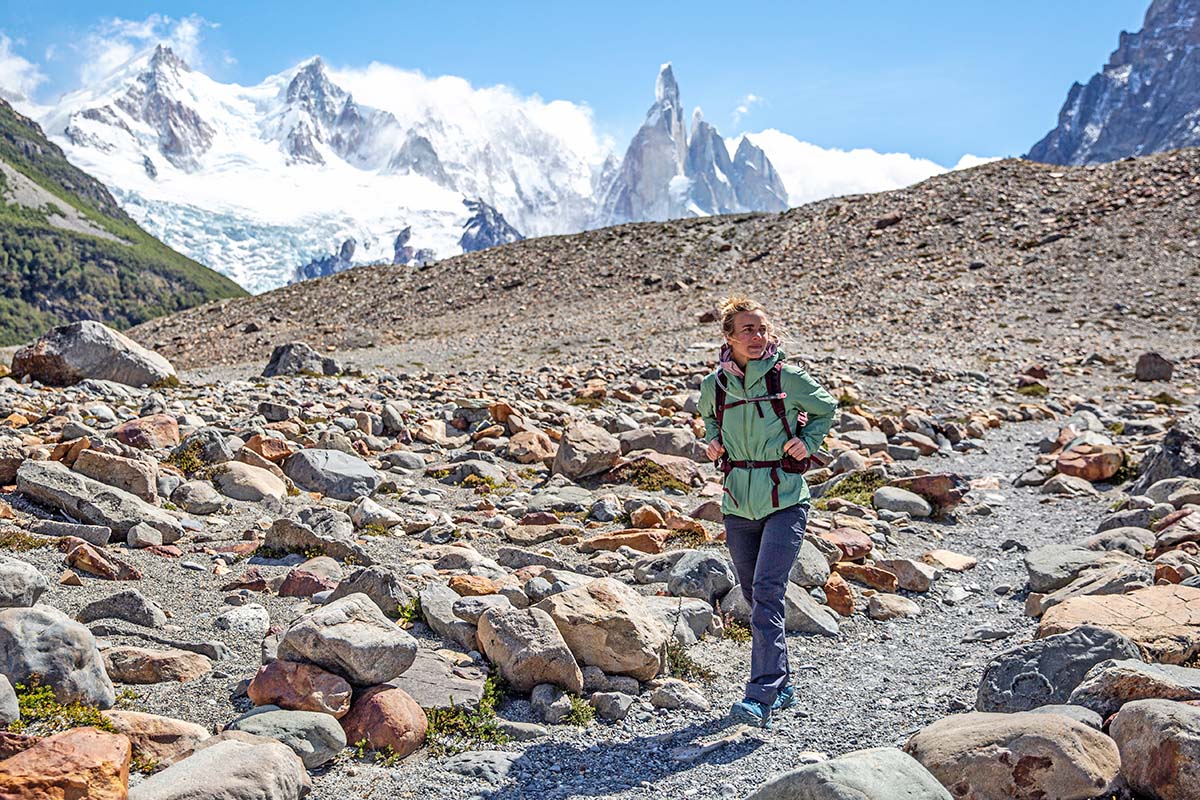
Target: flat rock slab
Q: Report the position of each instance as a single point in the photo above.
(1163, 621)
(1108, 686)
(433, 682)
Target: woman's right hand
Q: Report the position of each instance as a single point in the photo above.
(715, 450)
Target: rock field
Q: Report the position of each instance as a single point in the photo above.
(460, 567)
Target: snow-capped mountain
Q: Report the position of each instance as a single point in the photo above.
(266, 183)
(256, 181)
(664, 175)
(1146, 98)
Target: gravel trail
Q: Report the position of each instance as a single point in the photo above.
(874, 685)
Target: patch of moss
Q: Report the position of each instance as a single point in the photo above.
(483, 484)
(438, 474)
(1128, 471)
(857, 488)
(410, 612)
(142, 764)
(680, 664)
(1165, 399)
(169, 382)
(187, 459)
(18, 540)
(688, 539)
(43, 715)
(649, 477)
(1033, 390)
(1116, 428)
(735, 631)
(587, 402)
(375, 529)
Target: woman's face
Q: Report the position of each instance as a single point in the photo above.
(749, 337)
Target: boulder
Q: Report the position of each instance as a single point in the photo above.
(313, 736)
(891, 606)
(606, 624)
(253, 768)
(245, 482)
(332, 473)
(1109, 685)
(382, 585)
(143, 665)
(881, 773)
(131, 475)
(156, 738)
(1176, 456)
(60, 651)
(300, 687)
(1125, 539)
(95, 561)
(129, 605)
(901, 501)
(528, 649)
(810, 569)
(297, 358)
(80, 763)
(352, 638)
(434, 682)
(1055, 565)
(1159, 742)
(1163, 621)
(10, 708)
(1046, 671)
(70, 353)
(802, 613)
(1023, 756)
(365, 512)
(585, 449)
(687, 618)
(437, 607)
(54, 485)
(1152, 366)
(320, 529)
(20, 583)
(1092, 462)
(384, 716)
(153, 432)
(679, 442)
(703, 574)
(912, 576)
(943, 490)
(531, 447)
(1122, 576)
(948, 559)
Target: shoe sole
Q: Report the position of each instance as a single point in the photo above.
(748, 718)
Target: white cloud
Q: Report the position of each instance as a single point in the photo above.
(116, 41)
(412, 97)
(743, 108)
(970, 160)
(19, 78)
(811, 172)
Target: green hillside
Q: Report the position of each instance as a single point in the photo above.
(68, 252)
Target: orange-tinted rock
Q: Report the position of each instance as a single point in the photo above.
(1092, 462)
(531, 447)
(1163, 621)
(300, 687)
(270, 448)
(943, 490)
(646, 517)
(386, 717)
(646, 540)
(854, 544)
(142, 665)
(301, 582)
(838, 595)
(80, 763)
(472, 585)
(156, 738)
(871, 576)
(88, 558)
(149, 433)
(948, 559)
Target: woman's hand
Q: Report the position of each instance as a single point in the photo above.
(715, 450)
(795, 448)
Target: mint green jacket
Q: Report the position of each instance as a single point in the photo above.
(747, 436)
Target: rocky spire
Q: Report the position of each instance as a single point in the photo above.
(1144, 99)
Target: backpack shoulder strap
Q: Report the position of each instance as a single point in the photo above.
(774, 379)
(719, 403)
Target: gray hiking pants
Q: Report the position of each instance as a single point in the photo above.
(763, 551)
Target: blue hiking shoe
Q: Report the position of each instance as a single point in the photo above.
(785, 699)
(751, 712)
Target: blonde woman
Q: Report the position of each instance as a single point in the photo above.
(763, 419)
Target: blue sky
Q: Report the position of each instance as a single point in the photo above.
(931, 78)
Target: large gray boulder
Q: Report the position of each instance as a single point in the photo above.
(528, 649)
(71, 353)
(20, 583)
(129, 605)
(669, 441)
(332, 473)
(1055, 565)
(314, 736)
(1176, 456)
(437, 607)
(54, 485)
(244, 768)
(1159, 742)
(705, 574)
(382, 585)
(10, 709)
(881, 773)
(1108, 686)
(350, 637)
(62, 652)
(317, 528)
(297, 358)
(585, 450)
(1046, 671)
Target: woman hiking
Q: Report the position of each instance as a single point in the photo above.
(763, 418)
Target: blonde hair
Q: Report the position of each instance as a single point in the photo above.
(733, 305)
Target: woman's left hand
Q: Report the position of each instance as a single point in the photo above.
(795, 448)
